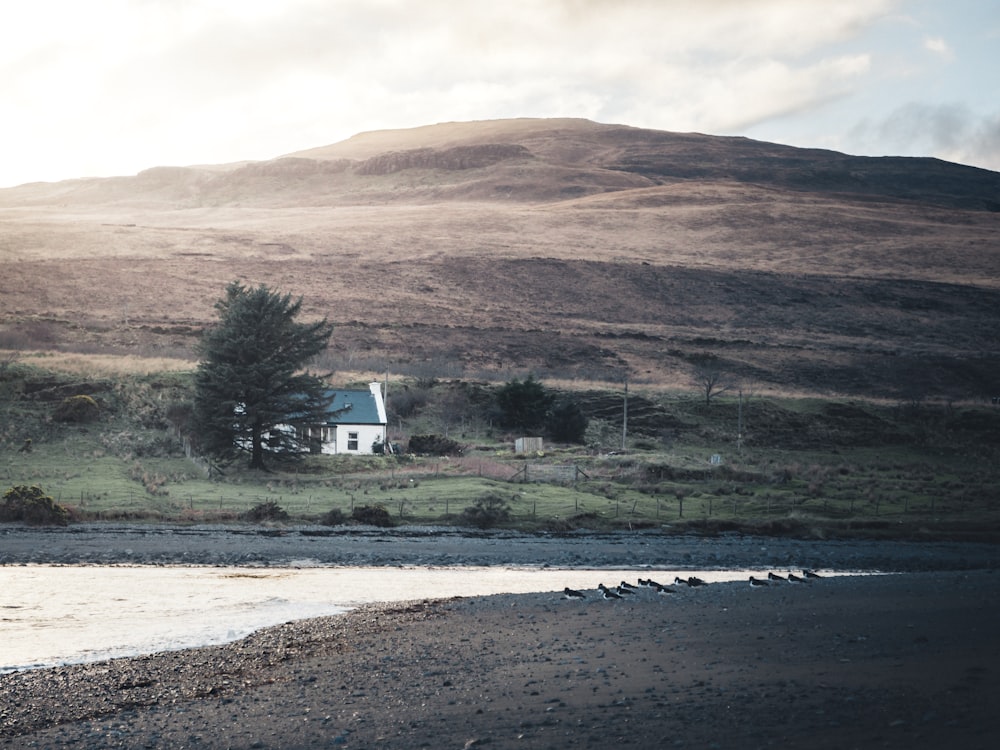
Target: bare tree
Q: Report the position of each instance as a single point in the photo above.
(711, 380)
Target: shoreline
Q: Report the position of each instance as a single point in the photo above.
(902, 661)
(255, 545)
(898, 661)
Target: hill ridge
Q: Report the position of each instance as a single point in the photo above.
(568, 158)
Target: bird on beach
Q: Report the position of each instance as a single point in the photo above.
(649, 583)
(623, 592)
(810, 574)
(608, 593)
(775, 577)
(794, 578)
(695, 581)
(664, 589)
(754, 582)
(569, 593)
(626, 585)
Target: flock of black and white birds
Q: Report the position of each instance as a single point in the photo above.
(626, 589)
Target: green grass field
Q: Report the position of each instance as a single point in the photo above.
(807, 467)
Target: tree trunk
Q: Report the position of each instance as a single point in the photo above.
(257, 447)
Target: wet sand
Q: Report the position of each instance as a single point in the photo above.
(899, 661)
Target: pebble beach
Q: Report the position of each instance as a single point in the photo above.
(906, 658)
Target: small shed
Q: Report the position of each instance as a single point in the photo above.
(528, 445)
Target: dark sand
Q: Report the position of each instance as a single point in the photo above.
(899, 661)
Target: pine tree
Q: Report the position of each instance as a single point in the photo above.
(524, 405)
(251, 377)
(567, 423)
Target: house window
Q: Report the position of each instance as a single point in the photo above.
(352, 441)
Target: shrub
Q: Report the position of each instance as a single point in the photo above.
(76, 409)
(31, 505)
(372, 515)
(489, 510)
(434, 445)
(333, 517)
(266, 511)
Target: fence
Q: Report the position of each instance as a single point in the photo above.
(549, 473)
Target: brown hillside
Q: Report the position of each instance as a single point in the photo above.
(562, 246)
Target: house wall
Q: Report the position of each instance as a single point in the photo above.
(367, 434)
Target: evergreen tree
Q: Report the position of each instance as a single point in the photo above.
(251, 376)
(524, 405)
(567, 423)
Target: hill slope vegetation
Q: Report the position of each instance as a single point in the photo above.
(565, 247)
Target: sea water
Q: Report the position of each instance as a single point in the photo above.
(55, 615)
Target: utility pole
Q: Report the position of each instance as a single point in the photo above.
(739, 423)
(625, 415)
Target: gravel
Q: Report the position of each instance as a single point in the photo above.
(895, 661)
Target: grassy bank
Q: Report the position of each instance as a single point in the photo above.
(810, 467)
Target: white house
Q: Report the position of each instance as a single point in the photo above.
(355, 421)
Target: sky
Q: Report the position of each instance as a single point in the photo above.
(112, 87)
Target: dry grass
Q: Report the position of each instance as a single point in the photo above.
(582, 263)
(99, 365)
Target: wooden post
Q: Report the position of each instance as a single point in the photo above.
(625, 415)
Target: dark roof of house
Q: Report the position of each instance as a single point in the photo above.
(353, 407)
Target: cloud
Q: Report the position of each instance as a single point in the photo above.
(952, 132)
(124, 85)
(938, 46)
(982, 148)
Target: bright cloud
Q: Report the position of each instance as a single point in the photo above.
(117, 86)
(938, 46)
